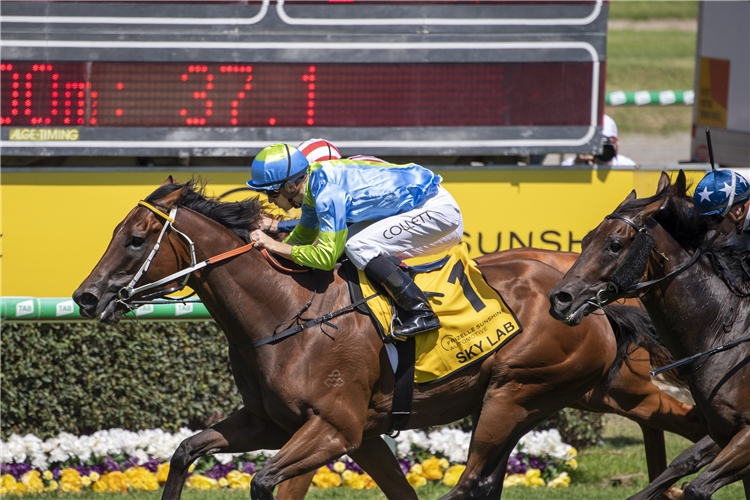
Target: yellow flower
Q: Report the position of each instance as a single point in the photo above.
(223, 483)
(70, 480)
(572, 452)
(416, 480)
(325, 479)
(200, 482)
(416, 469)
(533, 478)
(514, 480)
(33, 481)
(7, 484)
(94, 476)
(572, 463)
(444, 463)
(191, 468)
(239, 480)
(85, 481)
(48, 475)
(353, 480)
(453, 474)
(561, 481)
(339, 467)
(111, 482)
(141, 479)
(52, 486)
(370, 483)
(162, 472)
(431, 469)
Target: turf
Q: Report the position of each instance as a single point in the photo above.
(651, 60)
(652, 10)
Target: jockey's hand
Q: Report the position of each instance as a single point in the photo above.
(261, 239)
(269, 225)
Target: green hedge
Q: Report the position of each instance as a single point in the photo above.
(83, 377)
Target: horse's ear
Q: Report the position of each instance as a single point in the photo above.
(680, 184)
(170, 180)
(628, 198)
(664, 181)
(174, 198)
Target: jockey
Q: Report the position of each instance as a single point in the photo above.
(370, 211)
(725, 195)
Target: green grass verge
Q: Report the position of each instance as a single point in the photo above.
(651, 60)
(637, 10)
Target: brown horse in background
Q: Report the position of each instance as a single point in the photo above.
(697, 301)
(288, 405)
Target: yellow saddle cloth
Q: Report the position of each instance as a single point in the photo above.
(475, 319)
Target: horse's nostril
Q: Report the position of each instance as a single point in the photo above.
(563, 298)
(88, 300)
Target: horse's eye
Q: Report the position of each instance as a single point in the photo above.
(615, 246)
(136, 242)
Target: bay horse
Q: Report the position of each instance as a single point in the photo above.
(287, 404)
(697, 300)
(631, 394)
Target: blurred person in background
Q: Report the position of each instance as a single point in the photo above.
(610, 154)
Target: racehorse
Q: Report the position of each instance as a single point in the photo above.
(287, 404)
(631, 394)
(696, 295)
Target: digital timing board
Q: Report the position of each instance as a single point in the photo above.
(199, 78)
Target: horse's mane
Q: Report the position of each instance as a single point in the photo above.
(237, 216)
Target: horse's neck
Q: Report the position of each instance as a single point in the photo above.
(688, 310)
(244, 295)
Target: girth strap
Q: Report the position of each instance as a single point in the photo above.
(403, 392)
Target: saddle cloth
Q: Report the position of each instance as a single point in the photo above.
(475, 319)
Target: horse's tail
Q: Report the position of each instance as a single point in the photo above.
(633, 328)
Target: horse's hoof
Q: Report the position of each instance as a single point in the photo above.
(674, 493)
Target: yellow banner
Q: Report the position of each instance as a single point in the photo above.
(43, 134)
(56, 225)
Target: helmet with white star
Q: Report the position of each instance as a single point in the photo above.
(718, 191)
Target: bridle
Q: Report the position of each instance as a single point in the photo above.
(126, 294)
(613, 290)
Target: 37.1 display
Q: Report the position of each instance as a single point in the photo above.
(130, 94)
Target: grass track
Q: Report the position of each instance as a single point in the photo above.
(651, 60)
(639, 10)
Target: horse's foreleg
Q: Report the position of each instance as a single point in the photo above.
(656, 451)
(688, 462)
(731, 465)
(241, 432)
(315, 444)
(377, 459)
(295, 488)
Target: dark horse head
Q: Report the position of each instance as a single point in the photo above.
(136, 236)
(619, 253)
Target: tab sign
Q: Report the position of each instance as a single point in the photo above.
(43, 134)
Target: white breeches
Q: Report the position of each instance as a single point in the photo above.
(434, 226)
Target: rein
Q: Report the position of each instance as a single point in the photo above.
(696, 360)
(131, 290)
(606, 294)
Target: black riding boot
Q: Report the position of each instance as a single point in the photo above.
(407, 295)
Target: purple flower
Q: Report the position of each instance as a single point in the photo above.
(249, 468)
(517, 465)
(17, 470)
(405, 464)
(352, 466)
(109, 465)
(151, 465)
(130, 462)
(56, 472)
(218, 471)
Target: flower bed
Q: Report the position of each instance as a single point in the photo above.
(117, 460)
